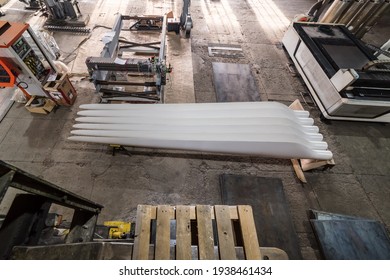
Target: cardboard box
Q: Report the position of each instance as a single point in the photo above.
(61, 90)
(46, 108)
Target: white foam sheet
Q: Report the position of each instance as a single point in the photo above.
(265, 149)
(194, 107)
(179, 136)
(305, 124)
(205, 113)
(267, 129)
(241, 129)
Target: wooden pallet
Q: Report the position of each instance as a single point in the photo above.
(199, 232)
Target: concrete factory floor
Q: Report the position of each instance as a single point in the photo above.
(357, 185)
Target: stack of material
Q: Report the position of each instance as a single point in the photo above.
(267, 129)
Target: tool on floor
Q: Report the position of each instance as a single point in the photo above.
(119, 229)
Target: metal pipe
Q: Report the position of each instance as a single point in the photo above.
(352, 11)
(364, 14)
(372, 20)
(336, 10)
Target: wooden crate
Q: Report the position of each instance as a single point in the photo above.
(198, 232)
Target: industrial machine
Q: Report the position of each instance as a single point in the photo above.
(23, 59)
(359, 16)
(120, 74)
(136, 71)
(184, 23)
(345, 78)
(63, 15)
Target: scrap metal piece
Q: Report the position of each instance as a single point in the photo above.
(225, 50)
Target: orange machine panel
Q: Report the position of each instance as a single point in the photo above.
(7, 78)
(10, 32)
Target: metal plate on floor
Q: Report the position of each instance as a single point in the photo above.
(350, 238)
(270, 209)
(234, 83)
(225, 50)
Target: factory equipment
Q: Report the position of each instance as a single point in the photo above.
(135, 78)
(63, 15)
(185, 21)
(359, 16)
(23, 59)
(346, 80)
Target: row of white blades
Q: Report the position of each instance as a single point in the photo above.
(267, 129)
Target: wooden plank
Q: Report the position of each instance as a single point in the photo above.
(272, 253)
(142, 232)
(234, 83)
(192, 212)
(309, 164)
(205, 232)
(298, 170)
(249, 235)
(225, 232)
(165, 214)
(183, 233)
(296, 105)
(233, 213)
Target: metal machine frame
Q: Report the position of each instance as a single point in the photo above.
(26, 218)
(104, 70)
(347, 92)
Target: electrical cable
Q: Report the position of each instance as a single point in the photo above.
(21, 82)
